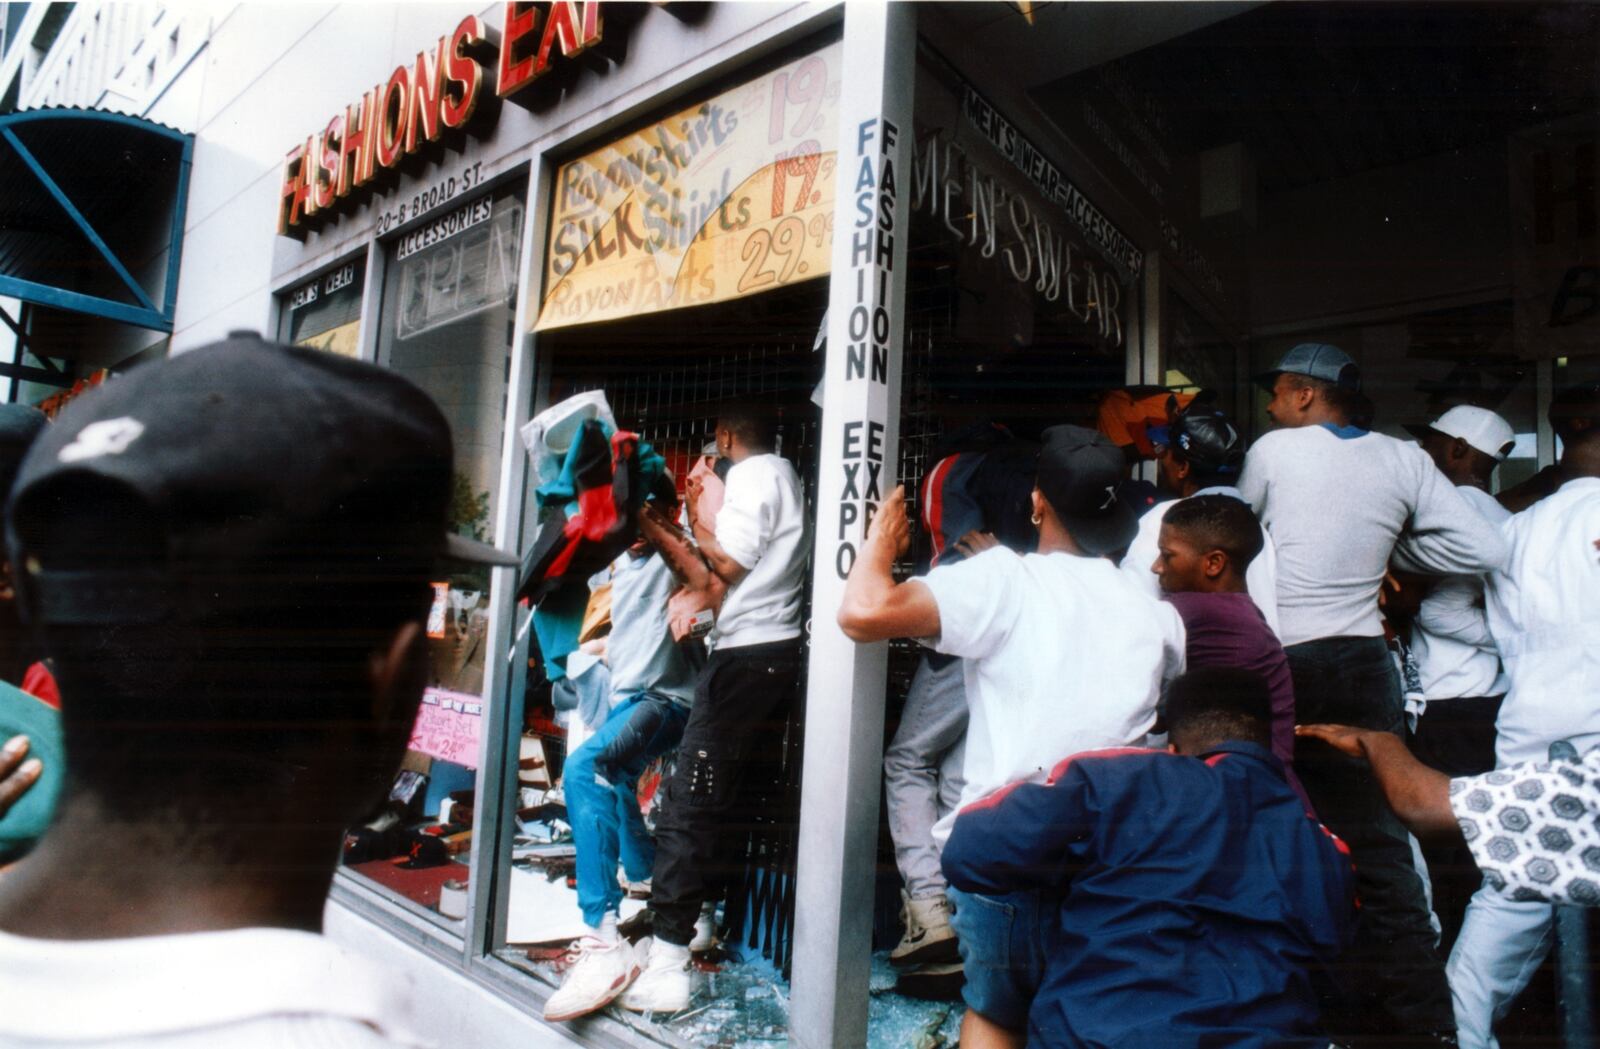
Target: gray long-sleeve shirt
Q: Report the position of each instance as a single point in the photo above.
(1336, 503)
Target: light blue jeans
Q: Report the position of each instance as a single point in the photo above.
(603, 809)
(1502, 943)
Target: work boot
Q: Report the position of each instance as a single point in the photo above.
(936, 982)
(664, 985)
(928, 938)
(601, 970)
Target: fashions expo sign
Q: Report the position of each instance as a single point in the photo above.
(727, 198)
(428, 102)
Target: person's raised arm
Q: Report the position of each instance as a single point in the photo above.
(1454, 609)
(1420, 796)
(676, 550)
(875, 607)
(1445, 535)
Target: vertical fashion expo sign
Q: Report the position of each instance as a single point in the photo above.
(872, 281)
(727, 198)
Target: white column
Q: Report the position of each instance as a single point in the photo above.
(859, 453)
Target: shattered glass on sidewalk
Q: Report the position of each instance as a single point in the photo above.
(743, 1003)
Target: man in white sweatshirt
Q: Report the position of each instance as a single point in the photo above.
(741, 698)
(1339, 501)
(1544, 613)
(1458, 665)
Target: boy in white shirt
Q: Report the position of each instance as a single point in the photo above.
(742, 696)
(1456, 658)
(1063, 653)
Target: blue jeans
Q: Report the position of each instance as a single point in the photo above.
(601, 779)
(1002, 951)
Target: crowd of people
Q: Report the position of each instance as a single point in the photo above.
(1159, 778)
(1368, 590)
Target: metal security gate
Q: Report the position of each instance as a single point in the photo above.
(665, 380)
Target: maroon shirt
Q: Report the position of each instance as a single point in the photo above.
(1228, 630)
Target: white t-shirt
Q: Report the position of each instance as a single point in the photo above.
(1062, 654)
(1544, 613)
(762, 525)
(1456, 656)
(240, 989)
(1337, 504)
(1260, 579)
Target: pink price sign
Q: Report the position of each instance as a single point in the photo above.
(448, 726)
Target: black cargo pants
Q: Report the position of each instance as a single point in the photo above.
(742, 701)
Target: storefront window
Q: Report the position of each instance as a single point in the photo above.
(730, 238)
(325, 312)
(449, 300)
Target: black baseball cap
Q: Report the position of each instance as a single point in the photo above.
(1080, 474)
(241, 453)
(1206, 438)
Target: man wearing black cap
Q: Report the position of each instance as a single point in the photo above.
(1063, 653)
(1202, 456)
(227, 554)
(1337, 499)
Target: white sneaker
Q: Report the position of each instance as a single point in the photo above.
(600, 972)
(705, 930)
(634, 890)
(663, 986)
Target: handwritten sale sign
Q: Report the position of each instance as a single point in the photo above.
(448, 727)
(729, 198)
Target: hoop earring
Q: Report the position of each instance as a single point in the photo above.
(1037, 520)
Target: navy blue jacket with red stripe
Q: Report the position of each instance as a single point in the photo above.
(1196, 896)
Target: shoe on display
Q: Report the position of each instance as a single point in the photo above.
(601, 969)
(934, 982)
(664, 984)
(705, 930)
(928, 938)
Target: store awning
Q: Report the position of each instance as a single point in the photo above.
(91, 220)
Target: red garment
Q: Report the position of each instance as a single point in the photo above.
(41, 684)
(597, 507)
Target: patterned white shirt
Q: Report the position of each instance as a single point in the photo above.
(1534, 828)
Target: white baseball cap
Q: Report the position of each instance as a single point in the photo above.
(1479, 427)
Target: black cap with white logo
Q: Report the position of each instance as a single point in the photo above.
(1080, 473)
(252, 462)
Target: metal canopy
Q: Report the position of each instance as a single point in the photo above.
(91, 221)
